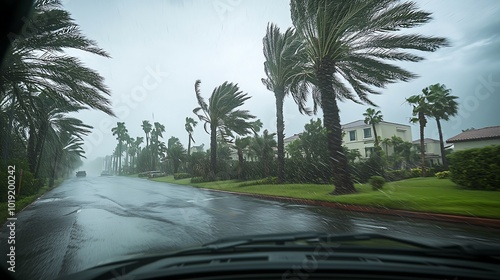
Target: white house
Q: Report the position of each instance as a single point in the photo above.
(476, 138)
(432, 150)
(360, 136)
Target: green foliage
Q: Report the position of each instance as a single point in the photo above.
(477, 169)
(443, 174)
(377, 182)
(178, 176)
(396, 175)
(195, 180)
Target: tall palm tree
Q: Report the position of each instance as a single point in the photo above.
(282, 66)
(121, 133)
(135, 150)
(156, 134)
(222, 114)
(147, 127)
(421, 110)
(373, 118)
(350, 39)
(443, 106)
(189, 126)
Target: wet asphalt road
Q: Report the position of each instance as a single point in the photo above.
(90, 220)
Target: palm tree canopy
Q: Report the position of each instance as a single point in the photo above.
(350, 39)
(284, 64)
(37, 60)
(221, 110)
(443, 105)
(372, 116)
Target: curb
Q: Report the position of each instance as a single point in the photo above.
(485, 222)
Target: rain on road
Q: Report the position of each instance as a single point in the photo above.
(86, 221)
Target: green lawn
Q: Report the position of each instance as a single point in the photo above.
(417, 194)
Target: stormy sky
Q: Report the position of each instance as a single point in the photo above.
(160, 48)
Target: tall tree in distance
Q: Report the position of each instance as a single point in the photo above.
(351, 40)
(121, 133)
(443, 106)
(421, 110)
(373, 118)
(147, 127)
(189, 126)
(156, 134)
(222, 114)
(282, 66)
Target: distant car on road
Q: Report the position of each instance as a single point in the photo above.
(81, 174)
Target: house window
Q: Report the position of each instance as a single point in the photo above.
(352, 135)
(369, 151)
(367, 132)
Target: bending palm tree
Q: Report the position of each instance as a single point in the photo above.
(349, 39)
(421, 109)
(282, 66)
(372, 118)
(443, 106)
(190, 124)
(222, 115)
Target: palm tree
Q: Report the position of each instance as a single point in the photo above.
(420, 111)
(146, 127)
(372, 118)
(135, 150)
(350, 39)
(189, 126)
(121, 133)
(222, 115)
(282, 66)
(263, 148)
(240, 144)
(387, 142)
(443, 106)
(156, 134)
(175, 152)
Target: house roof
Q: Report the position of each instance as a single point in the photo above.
(492, 132)
(291, 138)
(360, 123)
(426, 140)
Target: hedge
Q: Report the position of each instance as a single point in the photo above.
(476, 169)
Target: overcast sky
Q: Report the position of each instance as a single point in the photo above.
(160, 48)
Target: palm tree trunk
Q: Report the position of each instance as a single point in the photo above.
(280, 125)
(375, 134)
(31, 149)
(189, 144)
(340, 171)
(240, 166)
(422, 145)
(441, 144)
(120, 158)
(213, 151)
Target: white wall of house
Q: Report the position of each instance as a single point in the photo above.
(458, 146)
(361, 136)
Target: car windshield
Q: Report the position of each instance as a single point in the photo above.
(131, 127)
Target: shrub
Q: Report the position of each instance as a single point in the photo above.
(443, 174)
(195, 180)
(178, 176)
(377, 182)
(415, 172)
(477, 169)
(397, 175)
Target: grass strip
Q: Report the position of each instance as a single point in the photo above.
(431, 195)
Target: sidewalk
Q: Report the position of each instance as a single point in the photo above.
(486, 222)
